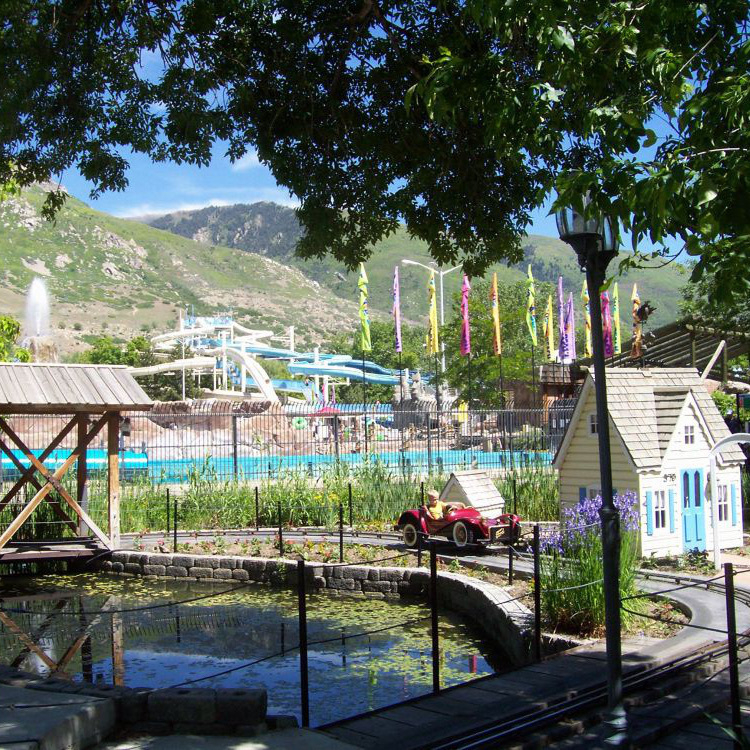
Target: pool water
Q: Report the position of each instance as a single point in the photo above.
(80, 623)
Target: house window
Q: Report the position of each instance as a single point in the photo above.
(689, 434)
(723, 502)
(593, 492)
(593, 426)
(660, 509)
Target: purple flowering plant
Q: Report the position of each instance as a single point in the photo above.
(571, 565)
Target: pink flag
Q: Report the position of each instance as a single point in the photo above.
(562, 344)
(609, 349)
(397, 310)
(465, 330)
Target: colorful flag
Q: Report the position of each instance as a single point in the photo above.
(586, 320)
(465, 329)
(397, 311)
(549, 330)
(606, 325)
(433, 343)
(364, 318)
(637, 348)
(531, 310)
(616, 333)
(570, 328)
(561, 342)
(497, 336)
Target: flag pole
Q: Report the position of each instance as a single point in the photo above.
(401, 412)
(533, 379)
(468, 408)
(364, 397)
(437, 401)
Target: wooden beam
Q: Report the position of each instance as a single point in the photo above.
(81, 469)
(113, 477)
(30, 471)
(27, 642)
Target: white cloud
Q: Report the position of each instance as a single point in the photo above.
(273, 195)
(248, 161)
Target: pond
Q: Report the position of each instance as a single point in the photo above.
(94, 627)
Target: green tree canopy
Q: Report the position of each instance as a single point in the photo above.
(10, 329)
(457, 118)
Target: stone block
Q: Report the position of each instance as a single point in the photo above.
(255, 568)
(138, 557)
(177, 571)
(207, 561)
(241, 706)
(319, 582)
(342, 584)
(224, 573)
(105, 565)
(183, 705)
(201, 572)
(238, 574)
(373, 574)
(134, 706)
(117, 567)
(374, 595)
(134, 569)
(120, 557)
(159, 560)
(154, 570)
(356, 573)
(381, 586)
(185, 561)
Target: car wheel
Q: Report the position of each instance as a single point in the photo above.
(462, 534)
(409, 535)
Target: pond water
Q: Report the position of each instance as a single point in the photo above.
(93, 627)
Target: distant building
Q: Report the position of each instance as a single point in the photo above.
(663, 423)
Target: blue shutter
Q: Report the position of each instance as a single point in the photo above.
(734, 504)
(582, 494)
(649, 513)
(671, 511)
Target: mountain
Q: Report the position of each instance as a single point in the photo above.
(272, 231)
(118, 277)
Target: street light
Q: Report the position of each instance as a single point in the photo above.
(440, 273)
(595, 241)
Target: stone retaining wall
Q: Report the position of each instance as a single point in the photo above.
(509, 624)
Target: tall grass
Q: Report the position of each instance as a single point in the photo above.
(572, 570)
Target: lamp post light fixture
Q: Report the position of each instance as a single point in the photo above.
(440, 273)
(594, 238)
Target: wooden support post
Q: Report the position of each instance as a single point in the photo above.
(113, 477)
(693, 356)
(118, 648)
(81, 472)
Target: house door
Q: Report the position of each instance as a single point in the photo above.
(693, 502)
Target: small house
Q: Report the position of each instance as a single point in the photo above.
(662, 424)
(475, 489)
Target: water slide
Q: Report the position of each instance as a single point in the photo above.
(252, 367)
(193, 363)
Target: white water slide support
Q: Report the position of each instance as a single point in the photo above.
(253, 368)
(192, 363)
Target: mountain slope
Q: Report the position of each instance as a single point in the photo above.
(272, 230)
(114, 276)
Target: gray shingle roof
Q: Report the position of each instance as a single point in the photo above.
(645, 404)
(27, 388)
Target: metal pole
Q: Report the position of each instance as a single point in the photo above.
(351, 509)
(510, 564)
(515, 498)
(442, 320)
(734, 678)
(429, 445)
(608, 513)
(168, 512)
(303, 674)
(434, 622)
(419, 548)
(341, 532)
(235, 463)
(502, 385)
(175, 524)
(533, 379)
(281, 532)
(257, 509)
(364, 399)
(537, 598)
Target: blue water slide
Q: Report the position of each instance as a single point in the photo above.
(337, 371)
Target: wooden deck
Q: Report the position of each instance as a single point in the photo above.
(51, 550)
(425, 721)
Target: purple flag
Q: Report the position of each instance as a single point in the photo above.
(465, 330)
(397, 310)
(562, 344)
(609, 349)
(570, 331)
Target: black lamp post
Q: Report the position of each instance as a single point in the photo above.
(595, 242)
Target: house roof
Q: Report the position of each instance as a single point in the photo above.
(644, 406)
(476, 489)
(33, 388)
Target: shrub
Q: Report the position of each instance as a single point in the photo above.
(572, 567)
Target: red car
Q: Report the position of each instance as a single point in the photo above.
(463, 525)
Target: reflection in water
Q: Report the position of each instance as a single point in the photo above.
(80, 627)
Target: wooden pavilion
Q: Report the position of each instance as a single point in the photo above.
(89, 398)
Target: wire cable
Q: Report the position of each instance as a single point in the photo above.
(573, 588)
(682, 587)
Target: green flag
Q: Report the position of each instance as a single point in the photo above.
(363, 316)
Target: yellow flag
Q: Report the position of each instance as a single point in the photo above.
(497, 336)
(531, 309)
(586, 320)
(549, 329)
(364, 317)
(616, 319)
(433, 342)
